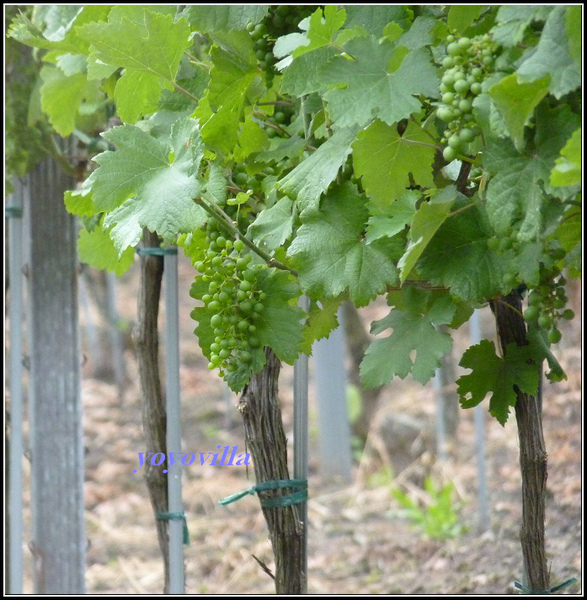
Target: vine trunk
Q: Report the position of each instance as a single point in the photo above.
(533, 458)
(153, 403)
(265, 438)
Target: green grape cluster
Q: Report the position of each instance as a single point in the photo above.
(233, 297)
(546, 304)
(468, 62)
(280, 20)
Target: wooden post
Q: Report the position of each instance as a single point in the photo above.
(58, 522)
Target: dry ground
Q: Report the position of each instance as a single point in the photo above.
(358, 541)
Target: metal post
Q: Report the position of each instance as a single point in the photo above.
(176, 567)
(14, 212)
(333, 421)
(300, 470)
(479, 417)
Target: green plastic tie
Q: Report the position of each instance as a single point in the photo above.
(288, 500)
(552, 590)
(12, 212)
(156, 251)
(176, 516)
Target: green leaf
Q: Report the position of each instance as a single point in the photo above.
(305, 74)
(374, 17)
(148, 45)
(393, 218)
(322, 320)
(144, 188)
(280, 325)
(513, 20)
(61, 97)
(224, 17)
(322, 28)
(516, 103)
(429, 217)
(95, 248)
(371, 90)
(415, 331)
(574, 31)
(274, 225)
(462, 16)
(567, 169)
(78, 202)
(552, 57)
(313, 176)
(497, 376)
(230, 78)
(458, 258)
(331, 255)
(385, 159)
(515, 193)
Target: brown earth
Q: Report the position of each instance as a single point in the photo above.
(359, 541)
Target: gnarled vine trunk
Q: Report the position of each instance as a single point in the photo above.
(153, 403)
(511, 327)
(266, 441)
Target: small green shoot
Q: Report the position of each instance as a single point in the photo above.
(438, 518)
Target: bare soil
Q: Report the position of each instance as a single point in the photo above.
(359, 542)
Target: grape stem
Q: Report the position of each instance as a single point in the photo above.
(228, 225)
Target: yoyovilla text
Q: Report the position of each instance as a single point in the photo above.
(230, 457)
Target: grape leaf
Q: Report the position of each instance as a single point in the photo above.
(552, 57)
(429, 217)
(78, 202)
(516, 102)
(461, 16)
(149, 45)
(393, 218)
(274, 225)
(144, 187)
(230, 78)
(512, 21)
(374, 17)
(385, 159)
(312, 176)
(574, 31)
(371, 90)
(497, 376)
(304, 74)
(514, 193)
(322, 320)
(95, 248)
(322, 28)
(61, 97)
(331, 255)
(567, 169)
(223, 17)
(458, 258)
(414, 331)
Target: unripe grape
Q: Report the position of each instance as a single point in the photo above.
(449, 154)
(531, 314)
(554, 336)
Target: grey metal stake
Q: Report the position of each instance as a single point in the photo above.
(115, 334)
(14, 211)
(330, 380)
(300, 470)
(479, 418)
(440, 413)
(176, 566)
